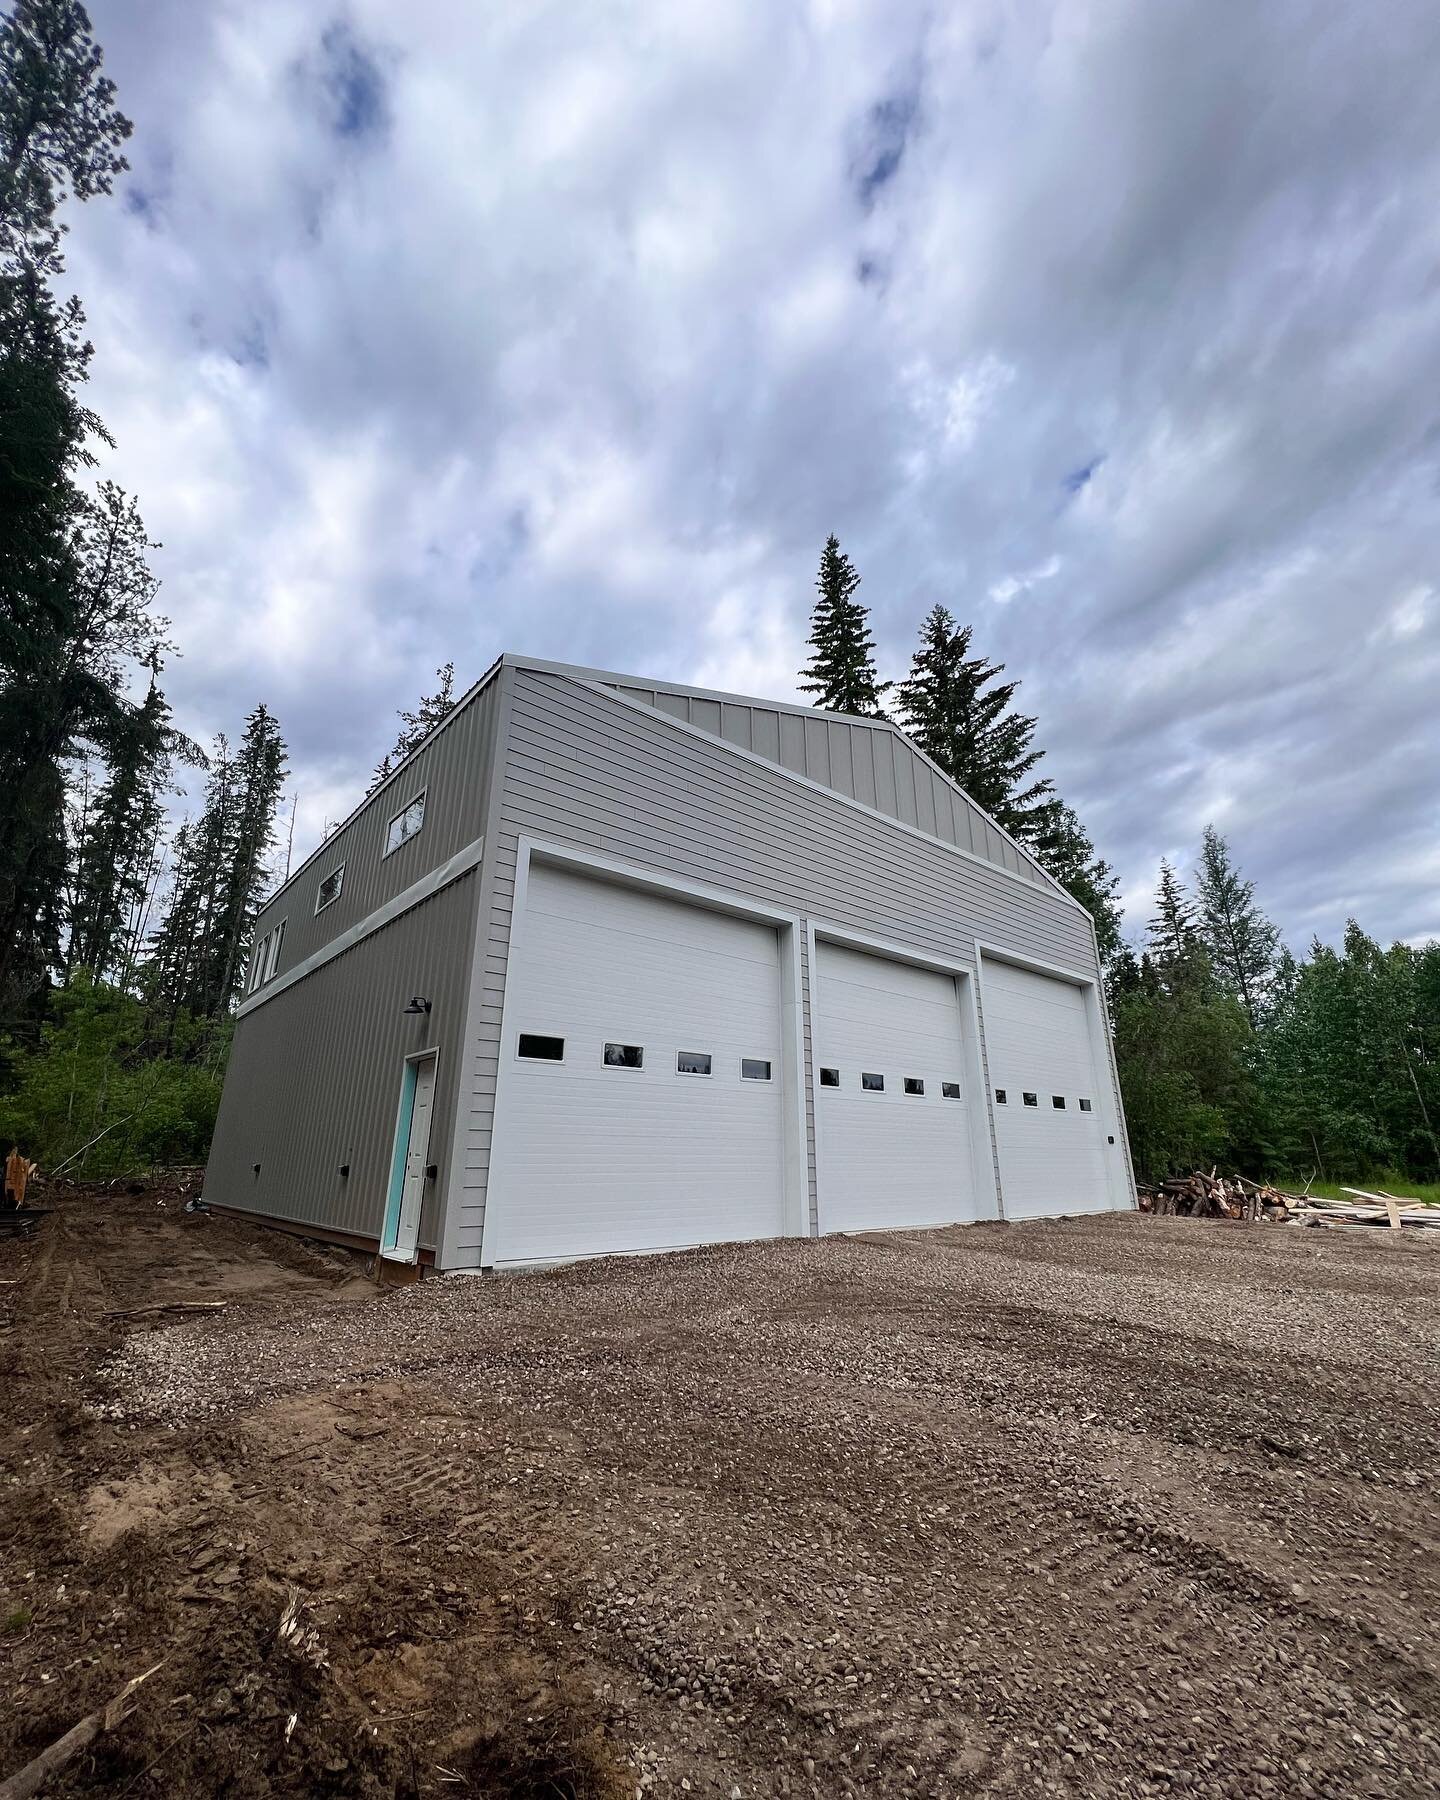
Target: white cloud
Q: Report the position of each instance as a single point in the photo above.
(576, 331)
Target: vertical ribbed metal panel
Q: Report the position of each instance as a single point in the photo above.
(583, 769)
(454, 770)
(314, 1075)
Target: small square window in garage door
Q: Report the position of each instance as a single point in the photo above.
(624, 1056)
(754, 1068)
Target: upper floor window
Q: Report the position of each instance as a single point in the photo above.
(266, 958)
(330, 888)
(405, 823)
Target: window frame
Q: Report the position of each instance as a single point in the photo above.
(952, 1090)
(414, 800)
(275, 939)
(1057, 1103)
(705, 1074)
(761, 1062)
(1002, 1096)
(829, 1084)
(913, 1086)
(554, 1037)
(871, 1081)
(628, 1068)
(1030, 1099)
(337, 875)
(1085, 1104)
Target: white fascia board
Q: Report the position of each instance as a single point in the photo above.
(394, 775)
(461, 863)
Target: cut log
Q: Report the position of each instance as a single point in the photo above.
(30, 1779)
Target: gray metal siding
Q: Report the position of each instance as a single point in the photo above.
(453, 768)
(869, 763)
(314, 1075)
(585, 770)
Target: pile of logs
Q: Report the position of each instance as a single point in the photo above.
(1216, 1196)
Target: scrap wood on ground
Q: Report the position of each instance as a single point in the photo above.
(1216, 1196)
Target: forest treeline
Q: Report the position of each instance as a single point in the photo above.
(125, 936)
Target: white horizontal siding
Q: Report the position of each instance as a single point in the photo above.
(590, 771)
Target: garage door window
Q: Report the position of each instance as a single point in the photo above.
(1032, 1099)
(950, 1090)
(1058, 1102)
(829, 1078)
(624, 1056)
(541, 1049)
(754, 1068)
(1085, 1106)
(914, 1085)
(1000, 1097)
(692, 1062)
(873, 1084)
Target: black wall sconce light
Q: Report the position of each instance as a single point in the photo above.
(344, 1171)
(418, 1005)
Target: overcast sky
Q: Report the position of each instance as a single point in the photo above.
(434, 331)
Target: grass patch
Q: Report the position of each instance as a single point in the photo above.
(1388, 1182)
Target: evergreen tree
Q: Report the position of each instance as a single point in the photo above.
(1241, 940)
(60, 134)
(1066, 852)
(118, 839)
(964, 720)
(841, 673)
(221, 871)
(1171, 935)
(416, 726)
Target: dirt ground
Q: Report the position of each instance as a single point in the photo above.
(1108, 1507)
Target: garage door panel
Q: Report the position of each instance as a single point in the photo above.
(889, 1159)
(1038, 1040)
(594, 1159)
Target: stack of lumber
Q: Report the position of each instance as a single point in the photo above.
(1216, 1196)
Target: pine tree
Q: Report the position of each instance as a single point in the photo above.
(118, 839)
(841, 673)
(416, 726)
(221, 871)
(962, 717)
(1066, 852)
(59, 132)
(1241, 940)
(1172, 937)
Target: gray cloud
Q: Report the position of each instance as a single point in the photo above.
(1115, 327)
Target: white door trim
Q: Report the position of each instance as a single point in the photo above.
(988, 1203)
(394, 1252)
(1119, 1181)
(795, 1186)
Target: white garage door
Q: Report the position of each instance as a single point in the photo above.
(1048, 1122)
(892, 1111)
(640, 1101)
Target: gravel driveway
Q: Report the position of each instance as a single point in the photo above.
(1116, 1506)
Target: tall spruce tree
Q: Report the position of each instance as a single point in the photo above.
(60, 134)
(417, 725)
(220, 873)
(1171, 936)
(963, 718)
(1241, 940)
(841, 673)
(1066, 852)
(118, 840)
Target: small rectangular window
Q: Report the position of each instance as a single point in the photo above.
(1031, 1099)
(277, 938)
(330, 888)
(754, 1068)
(1001, 1097)
(873, 1084)
(829, 1078)
(405, 823)
(1085, 1106)
(950, 1090)
(692, 1062)
(914, 1085)
(257, 965)
(624, 1056)
(541, 1048)
(1058, 1102)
